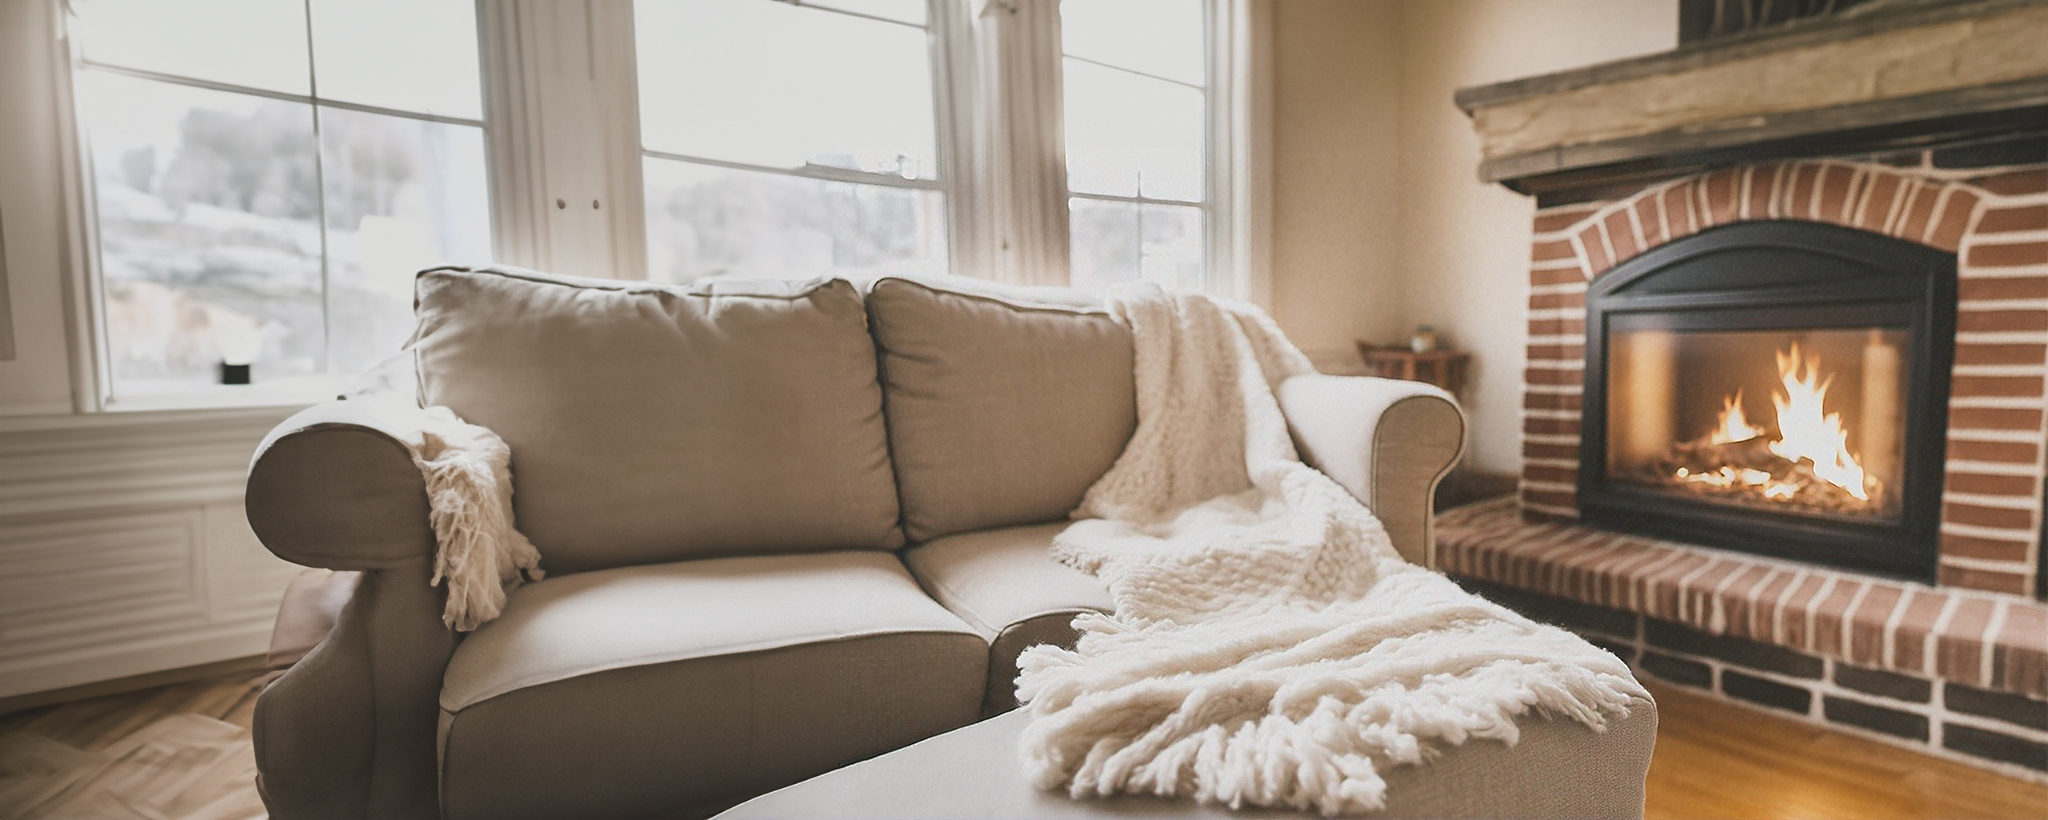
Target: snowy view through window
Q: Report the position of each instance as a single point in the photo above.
(1135, 85)
(213, 167)
(824, 160)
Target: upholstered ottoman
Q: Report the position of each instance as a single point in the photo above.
(1558, 769)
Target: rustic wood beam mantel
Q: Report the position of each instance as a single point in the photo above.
(1887, 76)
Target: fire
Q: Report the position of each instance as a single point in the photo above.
(1806, 432)
(1733, 426)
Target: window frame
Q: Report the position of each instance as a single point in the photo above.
(533, 59)
(1236, 199)
(96, 368)
(943, 35)
(1212, 214)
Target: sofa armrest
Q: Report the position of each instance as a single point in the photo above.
(349, 730)
(1389, 442)
(335, 487)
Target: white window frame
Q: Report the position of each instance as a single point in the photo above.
(1236, 191)
(946, 39)
(95, 370)
(1212, 182)
(1240, 149)
(565, 160)
(986, 209)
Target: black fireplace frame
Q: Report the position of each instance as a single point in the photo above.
(1771, 275)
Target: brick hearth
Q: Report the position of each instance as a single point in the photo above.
(1997, 223)
(1957, 672)
(1961, 635)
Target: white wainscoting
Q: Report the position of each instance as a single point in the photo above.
(124, 549)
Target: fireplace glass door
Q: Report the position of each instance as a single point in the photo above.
(1792, 421)
(1773, 387)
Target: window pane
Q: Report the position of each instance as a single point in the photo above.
(1163, 38)
(209, 242)
(1105, 242)
(1121, 242)
(704, 220)
(255, 43)
(1173, 247)
(908, 11)
(1129, 135)
(775, 85)
(402, 195)
(409, 55)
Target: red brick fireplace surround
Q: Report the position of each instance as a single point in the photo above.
(1780, 633)
(1998, 226)
(1791, 177)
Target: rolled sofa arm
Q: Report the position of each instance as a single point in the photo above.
(349, 730)
(335, 487)
(1389, 442)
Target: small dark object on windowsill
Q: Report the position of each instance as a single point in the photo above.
(234, 373)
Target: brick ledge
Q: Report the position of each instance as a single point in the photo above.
(1985, 639)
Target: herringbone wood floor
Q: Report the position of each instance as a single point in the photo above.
(179, 751)
(183, 751)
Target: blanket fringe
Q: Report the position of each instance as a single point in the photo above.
(482, 555)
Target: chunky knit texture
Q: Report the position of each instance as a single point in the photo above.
(1268, 647)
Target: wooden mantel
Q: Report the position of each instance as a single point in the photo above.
(1888, 75)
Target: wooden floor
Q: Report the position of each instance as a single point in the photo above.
(1716, 759)
(183, 751)
(179, 751)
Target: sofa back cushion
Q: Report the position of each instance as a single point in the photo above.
(1005, 404)
(655, 423)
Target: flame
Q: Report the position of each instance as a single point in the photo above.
(1733, 425)
(1807, 431)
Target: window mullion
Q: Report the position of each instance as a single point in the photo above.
(960, 153)
(1021, 130)
(563, 75)
(1240, 120)
(617, 79)
(320, 205)
(507, 41)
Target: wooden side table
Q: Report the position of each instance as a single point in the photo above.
(1443, 368)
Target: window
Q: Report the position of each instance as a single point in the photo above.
(789, 140)
(1137, 118)
(262, 178)
(266, 177)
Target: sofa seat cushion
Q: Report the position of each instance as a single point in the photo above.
(653, 423)
(675, 687)
(1005, 403)
(1007, 585)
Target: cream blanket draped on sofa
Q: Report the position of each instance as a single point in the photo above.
(1268, 646)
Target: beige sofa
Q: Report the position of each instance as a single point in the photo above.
(788, 528)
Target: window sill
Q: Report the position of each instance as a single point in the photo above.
(293, 392)
(139, 419)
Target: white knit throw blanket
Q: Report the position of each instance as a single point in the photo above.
(468, 470)
(1269, 647)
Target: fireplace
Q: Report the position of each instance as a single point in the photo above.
(1775, 387)
(1784, 405)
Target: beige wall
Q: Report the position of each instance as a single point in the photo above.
(1347, 261)
(1336, 96)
